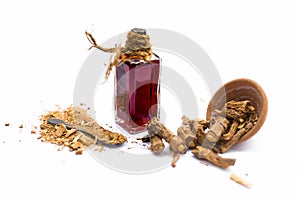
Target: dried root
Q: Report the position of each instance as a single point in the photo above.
(207, 154)
(226, 146)
(216, 130)
(241, 116)
(197, 129)
(177, 144)
(157, 144)
(227, 136)
(187, 135)
(206, 138)
(237, 109)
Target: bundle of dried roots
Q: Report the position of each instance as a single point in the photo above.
(206, 138)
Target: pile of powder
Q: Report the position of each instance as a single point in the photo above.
(72, 138)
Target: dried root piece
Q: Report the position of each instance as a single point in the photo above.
(231, 132)
(197, 128)
(206, 154)
(240, 181)
(215, 132)
(155, 127)
(226, 146)
(196, 124)
(219, 126)
(177, 144)
(187, 135)
(157, 145)
(237, 109)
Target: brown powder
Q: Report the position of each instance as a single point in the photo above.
(71, 138)
(83, 120)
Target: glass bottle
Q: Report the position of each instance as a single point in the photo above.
(137, 91)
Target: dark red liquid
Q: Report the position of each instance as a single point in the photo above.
(136, 93)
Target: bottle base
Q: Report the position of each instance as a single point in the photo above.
(131, 129)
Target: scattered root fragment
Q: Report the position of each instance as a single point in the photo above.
(207, 154)
(227, 136)
(197, 128)
(219, 126)
(177, 145)
(187, 135)
(157, 145)
(226, 146)
(237, 109)
(239, 180)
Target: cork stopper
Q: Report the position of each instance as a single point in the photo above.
(139, 31)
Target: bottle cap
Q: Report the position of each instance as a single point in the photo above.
(139, 31)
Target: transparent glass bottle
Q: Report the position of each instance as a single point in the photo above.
(137, 91)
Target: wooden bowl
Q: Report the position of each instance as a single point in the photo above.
(241, 89)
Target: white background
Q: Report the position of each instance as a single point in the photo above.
(42, 46)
